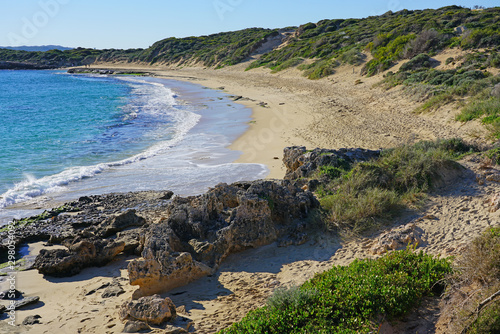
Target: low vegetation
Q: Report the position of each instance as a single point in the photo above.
(358, 196)
(473, 292)
(468, 84)
(350, 299)
(388, 38)
(53, 58)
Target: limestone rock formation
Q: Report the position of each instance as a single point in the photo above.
(151, 309)
(135, 327)
(31, 320)
(198, 232)
(80, 254)
(301, 163)
(119, 223)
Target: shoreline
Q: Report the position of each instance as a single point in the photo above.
(343, 110)
(274, 118)
(191, 166)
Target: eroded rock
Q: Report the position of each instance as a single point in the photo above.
(198, 232)
(25, 302)
(31, 320)
(119, 223)
(80, 254)
(494, 202)
(150, 309)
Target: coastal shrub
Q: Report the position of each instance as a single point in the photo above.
(385, 56)
(436, 88)
(424, 42)
(488, 110)
(352, 57)
(293, 296)
(376, 189)
(418, 62)
(340, 167)
(287, 64)
(350, 299)
(493, 155)
(437, 101)
(475, 277)
(319, 69)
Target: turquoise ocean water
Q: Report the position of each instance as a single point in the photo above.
(63, 136)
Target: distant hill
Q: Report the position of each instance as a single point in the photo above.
(36, 48)
(387, 38)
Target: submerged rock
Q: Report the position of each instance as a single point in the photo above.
(198, 232)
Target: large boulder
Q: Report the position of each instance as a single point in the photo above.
(151, 309)
(80, 254)
(198, 232)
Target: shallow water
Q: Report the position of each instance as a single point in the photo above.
(99, 134)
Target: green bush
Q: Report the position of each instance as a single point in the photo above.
(377, 189)
(350, 299)
(418, 62)
(289, 63)
(352, 57)
(293, 296)
(319, 69)
(488, 109)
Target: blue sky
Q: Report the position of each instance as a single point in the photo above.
(133, 23)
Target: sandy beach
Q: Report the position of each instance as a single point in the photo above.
(343, 110)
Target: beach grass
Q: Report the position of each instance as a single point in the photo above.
(371, 192)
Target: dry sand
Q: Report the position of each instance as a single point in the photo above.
(334, 112)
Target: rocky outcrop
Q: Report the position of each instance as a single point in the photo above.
(91, 216)
(136, 327)
(151, 309)
(104, 71)
(198, 232)
(494, 202)
(301, 163)
(80, 254)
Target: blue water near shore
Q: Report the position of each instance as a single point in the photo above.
(64, 136)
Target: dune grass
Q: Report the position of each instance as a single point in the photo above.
(376, 190)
